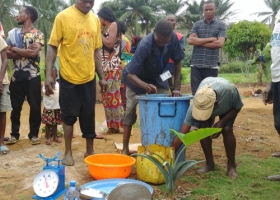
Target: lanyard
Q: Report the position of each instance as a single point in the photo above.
(160, 58)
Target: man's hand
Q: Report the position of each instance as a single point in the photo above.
(176, 93)
(49, 85)
(267, 95)
(150, 89)
(103, 85)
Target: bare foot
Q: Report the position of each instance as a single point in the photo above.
(88, 154)
(68, 160)
(125, 151)
(232, 172)
(206, 168)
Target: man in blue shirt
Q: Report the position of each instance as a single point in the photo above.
(215, 97)
(146, 71)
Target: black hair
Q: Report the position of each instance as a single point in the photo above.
(209, 2)
(107, 14)
(32, 12)
(164, 28)
(122, 27)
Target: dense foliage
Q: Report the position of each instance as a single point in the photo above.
(245, 37)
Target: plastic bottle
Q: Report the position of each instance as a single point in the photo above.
(72, 193)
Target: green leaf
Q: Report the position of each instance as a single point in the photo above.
(195, 135)
(157, 163)
(184, 166)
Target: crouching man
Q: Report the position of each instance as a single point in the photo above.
(215, 97)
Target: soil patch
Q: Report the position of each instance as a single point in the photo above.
(253, 128)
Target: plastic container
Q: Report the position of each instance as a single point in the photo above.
(104, 166)
(158, 114)
(72, 193)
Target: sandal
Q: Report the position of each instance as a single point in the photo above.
(6, 139)
(35, 141)
(4, 150)
(98, 136)
(57, 140)
(48, 142)
(12, 140)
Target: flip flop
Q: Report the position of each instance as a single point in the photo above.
(6, 139)
(11, 140)
(35, 141)
(4, 150)
(48, 142)
(57, 140)
(276, 154)
(98, 136)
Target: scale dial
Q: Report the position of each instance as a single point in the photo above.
(45, 183)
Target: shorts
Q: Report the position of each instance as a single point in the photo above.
(5, 101)
(130, 115)
(51, 116)
(78, 101)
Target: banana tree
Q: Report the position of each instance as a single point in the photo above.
(174, 170)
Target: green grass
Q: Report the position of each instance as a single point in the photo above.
(232, 77)
(251, 183)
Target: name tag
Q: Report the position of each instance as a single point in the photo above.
(166, 75)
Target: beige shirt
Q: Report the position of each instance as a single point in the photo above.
(3, 46)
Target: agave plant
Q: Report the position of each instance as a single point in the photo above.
(174, 170)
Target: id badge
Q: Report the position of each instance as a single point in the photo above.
(166, 75)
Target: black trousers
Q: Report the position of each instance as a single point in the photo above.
(32, 90)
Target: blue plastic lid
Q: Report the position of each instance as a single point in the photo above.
(73, 183)
(163, 97)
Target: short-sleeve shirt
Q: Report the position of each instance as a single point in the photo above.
(275, 50)
(227, 97)
(203, 57)
(3, 46)
(78, 35)
(149, 62)
(27, 68)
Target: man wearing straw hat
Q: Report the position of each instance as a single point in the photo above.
(215, 97)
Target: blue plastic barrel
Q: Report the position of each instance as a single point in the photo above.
(158, 114)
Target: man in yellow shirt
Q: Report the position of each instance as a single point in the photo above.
(78, 33)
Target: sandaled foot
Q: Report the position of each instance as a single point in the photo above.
(48, 142)
(4, 150)
(57, 140)
(35, 141)
(12, 140)
(98, 136)
(276, 154)
(68, 160)
(206, 168)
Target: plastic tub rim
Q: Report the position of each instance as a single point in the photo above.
(163, 97)
(110, 166)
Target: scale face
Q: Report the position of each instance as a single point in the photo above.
(46, 183)
(49, 184)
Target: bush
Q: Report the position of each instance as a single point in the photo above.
(236, 67)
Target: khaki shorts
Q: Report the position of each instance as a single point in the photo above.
(130, 115)
(5, 101)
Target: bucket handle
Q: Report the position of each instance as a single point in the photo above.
(162, 114)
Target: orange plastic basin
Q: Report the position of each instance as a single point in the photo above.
(104, 166)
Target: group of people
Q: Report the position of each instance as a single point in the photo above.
(91, 45)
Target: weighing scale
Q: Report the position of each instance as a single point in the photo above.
(49, 184)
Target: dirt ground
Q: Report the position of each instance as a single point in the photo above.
(19, 168)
